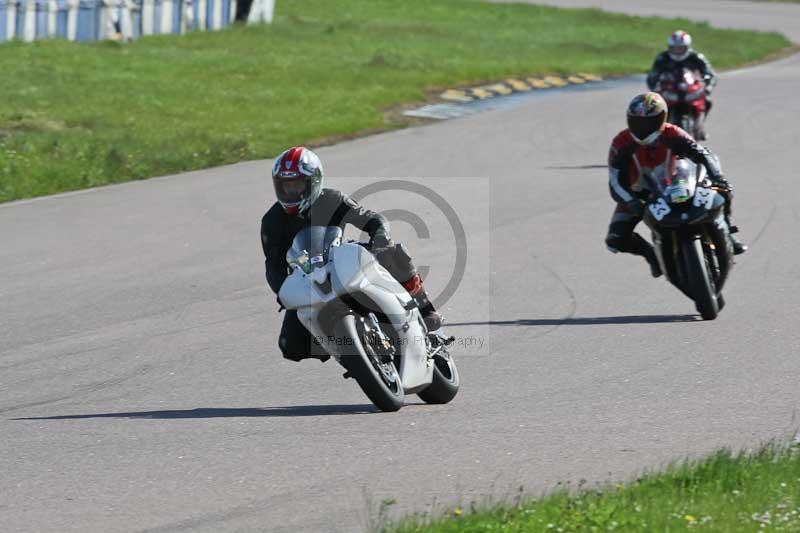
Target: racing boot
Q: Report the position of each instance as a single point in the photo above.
(727, 192)
(433, 319)
(738, 246)
(639, 246)
(652, 260)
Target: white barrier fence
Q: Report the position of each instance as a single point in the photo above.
(90, 20)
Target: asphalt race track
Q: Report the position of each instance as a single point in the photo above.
(141, 388)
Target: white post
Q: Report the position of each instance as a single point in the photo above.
(125, 22)
(261, 11)
(72, 19)
(29, 21)
(201, 14)
(231, 11)
(107, 30)
(166, 16)
(187, 16)
(269, 10)
(11, 20)
(216, 14)
(148, 12)
(52, 13)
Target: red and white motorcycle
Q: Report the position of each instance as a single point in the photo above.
(685, 93)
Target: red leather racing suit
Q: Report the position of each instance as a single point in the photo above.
(632, 166)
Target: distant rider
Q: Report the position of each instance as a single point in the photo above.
(297, 177)
(679, 54)
(648, 147)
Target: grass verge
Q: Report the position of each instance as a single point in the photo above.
(79, 115)
(724, 492)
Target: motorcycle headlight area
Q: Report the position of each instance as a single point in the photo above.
(300, 261)
(678, 193)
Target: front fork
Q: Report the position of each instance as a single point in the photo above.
(438, 343)
(673, 267)
(714, 236)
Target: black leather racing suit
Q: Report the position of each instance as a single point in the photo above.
(332, 208)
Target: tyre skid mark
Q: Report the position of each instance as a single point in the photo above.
(121, 342)
(83, 389)
(766, 225)
(573, 301)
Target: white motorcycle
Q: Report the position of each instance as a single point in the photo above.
(366, 320)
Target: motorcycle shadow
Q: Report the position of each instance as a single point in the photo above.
(585, 321)
(225, 412)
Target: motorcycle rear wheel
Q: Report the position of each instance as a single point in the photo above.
(379, 380)
(701, 285)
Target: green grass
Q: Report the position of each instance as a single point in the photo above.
(80, 115)
(723, 493)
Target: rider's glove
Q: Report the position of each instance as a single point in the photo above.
(721, 182)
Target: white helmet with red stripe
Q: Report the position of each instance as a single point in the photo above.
(679, 45)
(297, 177)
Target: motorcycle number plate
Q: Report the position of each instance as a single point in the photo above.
(660, 209)
(703, 198)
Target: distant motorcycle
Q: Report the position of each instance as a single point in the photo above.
(366, 320)
(685, 93)
(691, 236)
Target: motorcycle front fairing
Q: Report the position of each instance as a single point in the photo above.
(684, 208)
(705, 206)
(358, 272)
(683, 86)
(353, 270)
(686, 222)
(685, 94)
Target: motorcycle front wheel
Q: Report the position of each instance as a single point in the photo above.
(701, 284)
(376, 376)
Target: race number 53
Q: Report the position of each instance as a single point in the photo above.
(660, 209)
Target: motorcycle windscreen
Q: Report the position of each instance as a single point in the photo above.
(311, 246)
(680, 182)
(680, 78)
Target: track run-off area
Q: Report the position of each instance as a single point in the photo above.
(141, 387)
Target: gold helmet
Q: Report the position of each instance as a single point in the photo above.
(647, 116)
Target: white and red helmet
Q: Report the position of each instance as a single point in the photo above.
(679, 45)
(297, 177)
